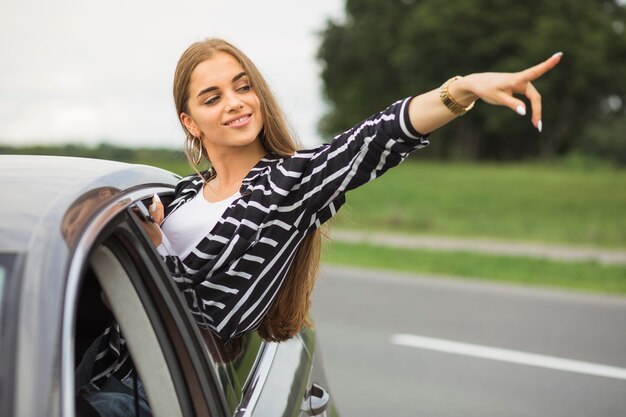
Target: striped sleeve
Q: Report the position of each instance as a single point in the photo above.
(352, 159)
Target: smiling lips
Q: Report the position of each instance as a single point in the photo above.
(239, 121)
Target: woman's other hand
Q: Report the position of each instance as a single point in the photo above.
(151, 220)
(156, 209)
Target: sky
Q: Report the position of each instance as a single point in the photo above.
(85, 72)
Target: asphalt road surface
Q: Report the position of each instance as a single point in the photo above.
(402, 345)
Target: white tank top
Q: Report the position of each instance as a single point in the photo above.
(191, 222)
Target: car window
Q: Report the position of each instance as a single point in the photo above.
(124, 284)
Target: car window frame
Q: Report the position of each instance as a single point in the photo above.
(99, 228)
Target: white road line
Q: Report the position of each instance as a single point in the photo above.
(505, 355)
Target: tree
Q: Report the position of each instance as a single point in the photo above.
(387, 50)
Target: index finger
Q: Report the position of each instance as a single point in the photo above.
(538, 70)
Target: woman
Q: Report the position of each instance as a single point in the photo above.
(242, 239)
(253, 264)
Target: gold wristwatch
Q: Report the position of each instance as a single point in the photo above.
(450, 103)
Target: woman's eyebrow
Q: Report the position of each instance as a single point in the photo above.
(238, 76)
(209, 89)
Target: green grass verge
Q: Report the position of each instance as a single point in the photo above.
(588, 276)
(534, 202)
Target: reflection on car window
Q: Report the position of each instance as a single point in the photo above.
(76, 216)
(244, 364)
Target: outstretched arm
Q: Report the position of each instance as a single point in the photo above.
(427, 111)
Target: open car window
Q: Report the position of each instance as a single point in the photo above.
(124, 282)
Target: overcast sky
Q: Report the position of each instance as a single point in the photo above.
(87, 71)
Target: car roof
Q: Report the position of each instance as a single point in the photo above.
(38, 190)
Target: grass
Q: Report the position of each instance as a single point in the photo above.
(533, 202)
(587, 276)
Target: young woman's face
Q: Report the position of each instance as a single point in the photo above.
(224, 111)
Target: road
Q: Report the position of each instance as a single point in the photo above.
(556, 353)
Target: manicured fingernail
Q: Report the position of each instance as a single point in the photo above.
(156, 198)
(521, 110)
(539, 126)
(558, 54)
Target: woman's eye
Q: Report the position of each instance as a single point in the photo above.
(212, 100)
(244, 88)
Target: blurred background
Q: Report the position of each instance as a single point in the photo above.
(490, 201)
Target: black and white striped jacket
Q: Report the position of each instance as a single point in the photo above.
(230, 279)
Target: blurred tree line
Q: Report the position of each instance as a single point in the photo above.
(385, 50)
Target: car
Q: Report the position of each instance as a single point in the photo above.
(74, 255)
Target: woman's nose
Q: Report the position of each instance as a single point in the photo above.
(232, 103)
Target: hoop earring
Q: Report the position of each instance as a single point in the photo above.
(196, 155)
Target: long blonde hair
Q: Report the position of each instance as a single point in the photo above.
(290, 310)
